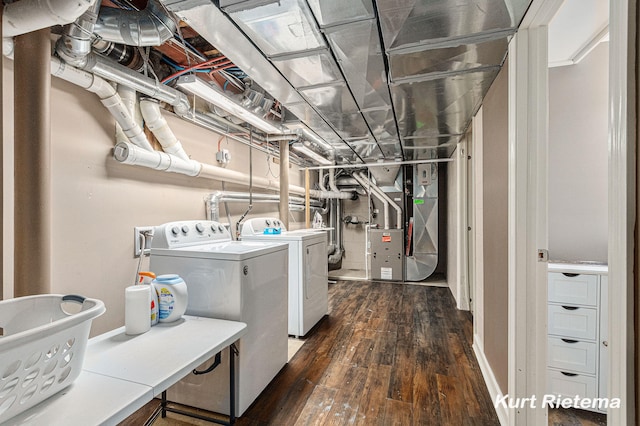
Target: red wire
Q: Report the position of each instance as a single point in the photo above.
(211, 62)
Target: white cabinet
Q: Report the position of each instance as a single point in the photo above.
(577, 346)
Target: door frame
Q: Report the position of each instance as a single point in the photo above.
(622, 207)
(528, 212)
(528, 228)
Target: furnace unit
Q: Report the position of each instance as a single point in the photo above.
(387, 263)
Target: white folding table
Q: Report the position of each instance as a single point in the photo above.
(122, 373)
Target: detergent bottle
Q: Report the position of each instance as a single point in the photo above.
(147, 278)
(172, 297)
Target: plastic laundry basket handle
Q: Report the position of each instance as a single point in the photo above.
(73, 298)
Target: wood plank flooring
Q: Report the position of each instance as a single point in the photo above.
(387, 354)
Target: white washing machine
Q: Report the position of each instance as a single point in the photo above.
(308, 269)
(233, 280)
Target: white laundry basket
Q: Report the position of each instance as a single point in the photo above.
(42, 346)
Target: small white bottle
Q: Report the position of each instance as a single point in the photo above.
(172, 297)
(136, 309)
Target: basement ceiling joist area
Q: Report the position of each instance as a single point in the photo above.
(377, 80)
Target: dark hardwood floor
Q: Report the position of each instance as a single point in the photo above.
(387, 354)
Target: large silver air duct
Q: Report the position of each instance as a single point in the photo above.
(149, 27)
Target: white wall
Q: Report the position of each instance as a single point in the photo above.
(578, 159)
(97, 201)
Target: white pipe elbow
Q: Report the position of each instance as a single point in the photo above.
(128, 153)
(25, 16)
(150, 110)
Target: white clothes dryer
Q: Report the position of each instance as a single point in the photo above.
(233, 280)
(308, 269)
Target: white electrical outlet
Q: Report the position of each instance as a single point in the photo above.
(137, 240)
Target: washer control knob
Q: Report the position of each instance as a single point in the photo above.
(175, 231)
(199, 228)
(220, 228)
(185, 229)
(268, 222)
(214, 229)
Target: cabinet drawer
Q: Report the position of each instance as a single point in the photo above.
(572, 356)
(573, 322)
(571, 385)
(573, 290)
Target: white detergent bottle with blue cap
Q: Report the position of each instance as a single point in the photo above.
(172, 297)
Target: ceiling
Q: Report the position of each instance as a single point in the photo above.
(377, 80)
(577, 27)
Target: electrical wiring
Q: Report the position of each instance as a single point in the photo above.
(219, 62)
(220, 141)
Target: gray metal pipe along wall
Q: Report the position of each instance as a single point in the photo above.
(284, 183)
(32, 136)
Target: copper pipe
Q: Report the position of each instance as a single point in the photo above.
(32, 206)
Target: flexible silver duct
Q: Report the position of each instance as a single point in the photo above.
(149, 27)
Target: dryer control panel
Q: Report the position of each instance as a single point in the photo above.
(189, 233)
(258, 225)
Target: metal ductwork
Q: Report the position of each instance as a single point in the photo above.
(422, 259)
(149, 27)
(377, 80)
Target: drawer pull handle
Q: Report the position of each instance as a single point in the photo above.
(569, 308)
(569, 374)
(570, 275)
(569, 341)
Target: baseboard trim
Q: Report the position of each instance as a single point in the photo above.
(491, 382)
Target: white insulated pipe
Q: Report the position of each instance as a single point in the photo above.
(321, 180)
(128, 153)
(150, 110)
(219, 173)
(108, 96)
(25, 16)
(332, 181)
(130, 99)
(334, 190)
(366, 183)
(387, 198)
